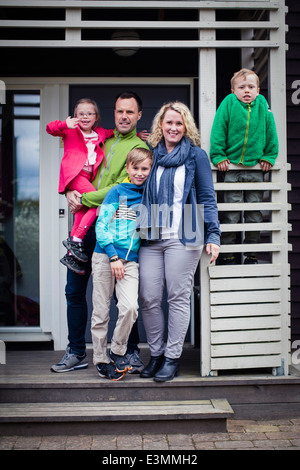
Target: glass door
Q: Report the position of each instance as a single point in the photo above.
(19, 209)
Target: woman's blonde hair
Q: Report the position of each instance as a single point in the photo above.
(191, 130)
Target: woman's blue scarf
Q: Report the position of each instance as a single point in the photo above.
(157, 202)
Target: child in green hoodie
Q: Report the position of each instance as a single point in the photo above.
(243, 133)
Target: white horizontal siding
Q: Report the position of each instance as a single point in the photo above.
(246, 362)
(182, 4)
(242, 336)
(73, 24)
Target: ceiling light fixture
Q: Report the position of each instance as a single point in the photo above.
(125, 36)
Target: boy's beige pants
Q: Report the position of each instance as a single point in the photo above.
(127, 297)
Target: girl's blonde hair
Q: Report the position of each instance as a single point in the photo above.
(191, 130)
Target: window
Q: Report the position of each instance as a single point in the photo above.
(19, 215)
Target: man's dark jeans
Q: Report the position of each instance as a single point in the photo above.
(77, 310)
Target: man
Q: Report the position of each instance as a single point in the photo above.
(112, 171)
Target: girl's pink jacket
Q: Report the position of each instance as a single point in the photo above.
(75, 150)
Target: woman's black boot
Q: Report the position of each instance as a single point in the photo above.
(168, 370)
(153, 366)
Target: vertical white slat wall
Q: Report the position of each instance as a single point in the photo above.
(207, 106)
(277, 85)
(249, 304)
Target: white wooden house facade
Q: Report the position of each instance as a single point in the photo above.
(245, 309)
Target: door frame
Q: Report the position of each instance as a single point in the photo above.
(54, 220)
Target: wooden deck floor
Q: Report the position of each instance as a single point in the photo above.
(26, 378)
(34, 366)
(28, 366)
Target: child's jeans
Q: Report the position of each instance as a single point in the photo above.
(127, 297)
(84, 218)
(239, 196)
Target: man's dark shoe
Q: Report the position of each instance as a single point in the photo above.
(72, 264)
(70, 362)
(108, 371)
(76, 249)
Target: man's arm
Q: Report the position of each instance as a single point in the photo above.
(95, 198)
(73, 198)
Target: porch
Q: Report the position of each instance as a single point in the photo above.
(36, 401)
(26, 383)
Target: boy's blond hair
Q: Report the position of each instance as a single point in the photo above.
(139, 154)
(243, 73)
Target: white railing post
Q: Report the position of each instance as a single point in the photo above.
(277, 88)
(207, 108)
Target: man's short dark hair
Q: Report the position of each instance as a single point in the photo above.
(126, 95)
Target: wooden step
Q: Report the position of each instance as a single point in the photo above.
(26, 378)
(120, 417)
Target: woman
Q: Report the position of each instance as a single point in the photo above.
(176, 227)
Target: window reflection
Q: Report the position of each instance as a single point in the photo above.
(19, 217)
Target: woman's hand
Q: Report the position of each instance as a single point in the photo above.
(73, 198)
(213, 250)
(117, 269)
(144, 135)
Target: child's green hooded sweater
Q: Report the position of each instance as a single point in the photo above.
(244, 133)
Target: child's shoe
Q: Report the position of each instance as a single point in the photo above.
(227, 261)
(121, 362)
(76, 249)
(109, 371)
(72, 264)
(251, 260)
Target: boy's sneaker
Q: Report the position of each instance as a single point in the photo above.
(70, 362)
(76, 249)
(227, 261)
(109, 371)
(135, 362)
(72, 264)
(121, 362)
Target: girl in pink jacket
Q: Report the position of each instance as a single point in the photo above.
(82, 156)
